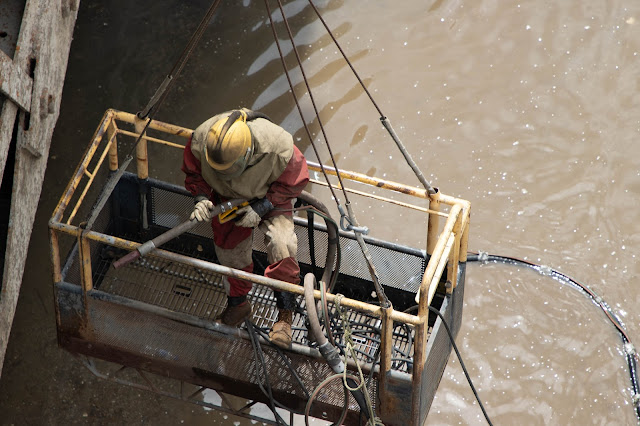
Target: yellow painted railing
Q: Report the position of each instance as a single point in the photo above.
(446, 244)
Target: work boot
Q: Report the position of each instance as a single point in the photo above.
(234, 315)
(281, 331)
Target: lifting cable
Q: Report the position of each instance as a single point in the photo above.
(348, 220)
(385, 121)
(630, 352)
(150, 110)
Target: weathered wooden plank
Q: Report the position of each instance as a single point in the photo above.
(7, 120)
(11, 12)
(45, 36)
(15, 83)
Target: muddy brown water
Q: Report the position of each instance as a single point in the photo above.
(530, 110)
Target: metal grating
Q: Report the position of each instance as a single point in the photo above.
(178, 287)
(207, 354)
(172, 206)
(398, 267)
(185, 289)
(188, 290)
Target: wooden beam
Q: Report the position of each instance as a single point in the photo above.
(45, 36)
(8, 115)
(15, 83)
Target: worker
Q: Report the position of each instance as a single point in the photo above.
(242, 154)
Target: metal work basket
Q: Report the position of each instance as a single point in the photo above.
(156, 315)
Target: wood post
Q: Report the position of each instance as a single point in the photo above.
(31, 81)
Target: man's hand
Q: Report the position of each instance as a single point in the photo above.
(250, 218)
(202, 211)
(254, 212)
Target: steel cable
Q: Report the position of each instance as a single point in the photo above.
(464, 368)
(313, 102)
(149, 112)
(350, 217)
(385, 121)
(295, 97)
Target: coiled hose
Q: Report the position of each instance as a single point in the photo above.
(328, 351)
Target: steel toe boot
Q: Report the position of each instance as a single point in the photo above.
(281, 331)
(235, 312)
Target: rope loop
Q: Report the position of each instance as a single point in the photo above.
(350, 351)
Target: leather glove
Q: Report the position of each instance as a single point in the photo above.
(202, 211)
(253, 213)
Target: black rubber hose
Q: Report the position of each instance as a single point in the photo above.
(327, 350)
(332, 232)
(358, 395)
(630, 354)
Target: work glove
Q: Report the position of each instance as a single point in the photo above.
(253, 213)
(202, 210)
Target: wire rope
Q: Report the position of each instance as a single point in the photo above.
(149, 112)
(295, 97)
(349, 216)
(385, 121)
(313, 102)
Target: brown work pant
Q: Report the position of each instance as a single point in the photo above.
(233, 245)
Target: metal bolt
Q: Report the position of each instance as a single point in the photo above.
(68, 6)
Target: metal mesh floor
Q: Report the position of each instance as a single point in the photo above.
(189, 290)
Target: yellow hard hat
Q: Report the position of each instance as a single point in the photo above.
(228, 144)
